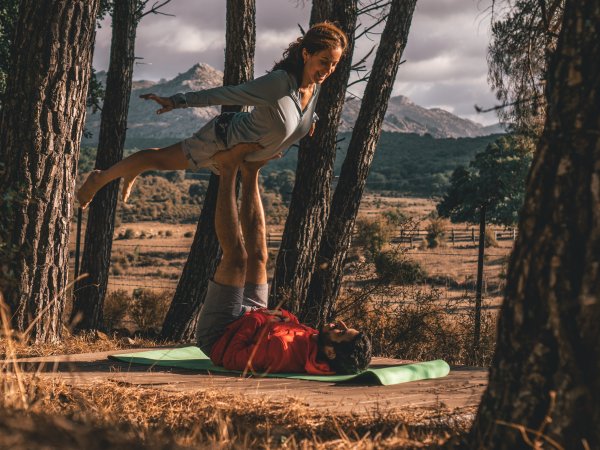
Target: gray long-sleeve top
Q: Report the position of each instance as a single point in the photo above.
(277, 120)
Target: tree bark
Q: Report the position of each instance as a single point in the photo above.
(328, 271)
(545, 375)
(309, 207)
(90, 291)
(40, 129)
(180, 322)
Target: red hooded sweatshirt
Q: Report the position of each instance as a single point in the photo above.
(263, 343)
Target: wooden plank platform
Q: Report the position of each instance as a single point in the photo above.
(461, 389)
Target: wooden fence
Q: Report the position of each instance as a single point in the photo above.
(413, 237)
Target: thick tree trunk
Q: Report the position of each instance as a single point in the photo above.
(90, 291)
(181, 319)
(40, 129)
(327, 276)
(545, 376)
(309, 207)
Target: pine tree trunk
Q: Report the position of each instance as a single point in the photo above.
(309, 207)
(328, 272)
(40, 129)
(545, 375)
(205, 253)
(90, 291)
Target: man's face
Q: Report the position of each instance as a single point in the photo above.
(337, 332)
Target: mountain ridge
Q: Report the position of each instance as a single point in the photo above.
(403, 115)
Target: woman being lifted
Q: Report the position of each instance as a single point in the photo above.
(284, 102)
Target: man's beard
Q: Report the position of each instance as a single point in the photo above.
(322, 341)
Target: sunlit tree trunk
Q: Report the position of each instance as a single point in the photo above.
(544, 383)
(309, 207)
(89, 292)
(40, 130)
(205, 253)
(328, 271)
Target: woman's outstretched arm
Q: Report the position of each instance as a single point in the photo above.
(260, 91)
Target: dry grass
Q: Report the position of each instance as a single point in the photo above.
(211, 419)
(38, 413)
(41, 413)
(88, 342)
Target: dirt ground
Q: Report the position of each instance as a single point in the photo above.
(458, 392)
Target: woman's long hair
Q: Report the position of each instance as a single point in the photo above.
(319, 37)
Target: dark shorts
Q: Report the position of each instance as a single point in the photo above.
(208, 140)
(222, 123)
(224, 304)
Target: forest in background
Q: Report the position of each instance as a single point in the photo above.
(404, 164)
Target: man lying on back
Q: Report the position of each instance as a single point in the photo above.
(235, 327)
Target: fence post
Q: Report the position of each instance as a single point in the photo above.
(514, 234)
(452, 236)
(472, 234)
(477, 324)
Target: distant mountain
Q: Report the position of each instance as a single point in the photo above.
(402, 115)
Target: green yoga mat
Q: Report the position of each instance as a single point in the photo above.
(193, 358)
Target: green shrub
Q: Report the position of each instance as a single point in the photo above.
(372, 235)
(148, 309)
(168, 233)
(129, 234)
(395, 267)
(490, 238)
(436, 233)
(396, 217)
(418, 324)
(116, 269)
(116, 304)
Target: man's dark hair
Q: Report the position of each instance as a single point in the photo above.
(353, 356)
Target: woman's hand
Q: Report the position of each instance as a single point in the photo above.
(312, 129)
(165, 102)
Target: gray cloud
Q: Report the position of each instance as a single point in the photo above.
(445, 55)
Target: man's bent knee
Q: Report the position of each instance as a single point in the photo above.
(236, 258)
(258, 256)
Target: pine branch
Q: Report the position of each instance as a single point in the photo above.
(154, 9)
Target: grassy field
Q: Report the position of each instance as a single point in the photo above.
(152, 254)
(148, 258)
(425, 320)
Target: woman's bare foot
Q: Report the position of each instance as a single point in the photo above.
(88, 189)
(127, 185)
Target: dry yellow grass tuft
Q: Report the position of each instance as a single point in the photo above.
(86, 342)
(208, 418)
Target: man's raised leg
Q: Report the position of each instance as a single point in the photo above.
(231, 271)
(253, 224)
(224, 297)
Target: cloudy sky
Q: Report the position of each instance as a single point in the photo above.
(445, 56)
